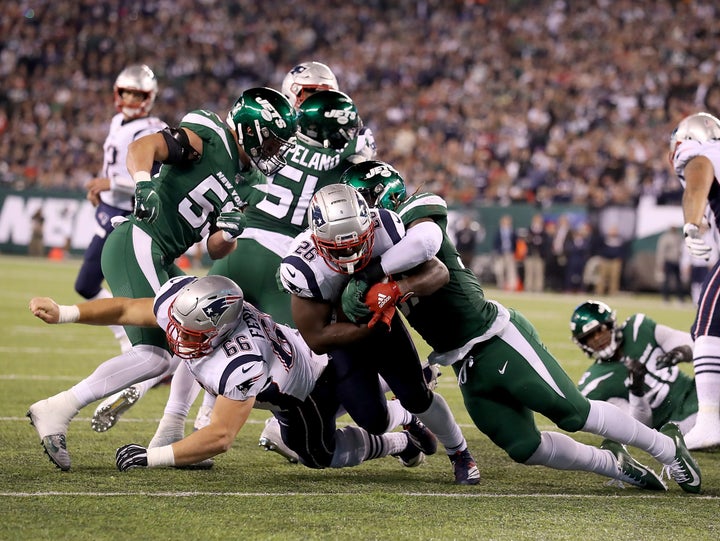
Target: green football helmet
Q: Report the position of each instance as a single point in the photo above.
(266, 127)
(378, 182)
(593, 330)
(328, 119)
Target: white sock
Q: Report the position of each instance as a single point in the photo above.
(611, 422)
(183, 392)
(397, 415)
(706, 364)
(353, 445)
(439, 419)
(140, 363)
(561, 452)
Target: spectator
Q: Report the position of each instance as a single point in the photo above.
(37, 244)
(505, 267)
(669, 249)
(466, 238)
(612, 254)
(538, 250)
(577, 250)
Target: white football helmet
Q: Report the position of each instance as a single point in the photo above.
(139, 78)
(306, 79)
(202, 315)
(341, 227)
(701, 127)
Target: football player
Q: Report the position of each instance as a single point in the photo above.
(111, 193)
(243, 357)
(635, 365)
(695, 159)
(344, 234)
(504, 371)
(207, 176)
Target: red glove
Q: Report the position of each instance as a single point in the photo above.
(383, 316)
(382, 299)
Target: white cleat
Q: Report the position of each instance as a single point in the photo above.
(271, 440)
(704, 437)
(110, 409)
(51, 418)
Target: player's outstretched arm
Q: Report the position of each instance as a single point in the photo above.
(112, 311)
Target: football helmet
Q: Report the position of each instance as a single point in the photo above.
(593, 327)
(341, 227)
(328, 119)
(266, 126)
(305, 79)
(699, 127)
(202, 315)
(139, 78)
(378, 182)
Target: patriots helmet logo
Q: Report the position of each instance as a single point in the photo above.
(215, 310)
(317, 216)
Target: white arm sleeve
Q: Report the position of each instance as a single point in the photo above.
(669, 338)
(420, 244)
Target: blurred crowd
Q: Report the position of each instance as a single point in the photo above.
(546, 101)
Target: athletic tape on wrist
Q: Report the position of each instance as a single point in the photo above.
(141, 176)
(160, 456)
(68, 314)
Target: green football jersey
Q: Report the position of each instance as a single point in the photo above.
(283, 208)
(669, 391)
(438, 317)
(192, 196)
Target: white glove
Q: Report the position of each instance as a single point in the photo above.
(695, 242)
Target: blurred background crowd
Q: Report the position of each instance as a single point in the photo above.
(543, 101)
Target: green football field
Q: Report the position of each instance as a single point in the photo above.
(252, 494)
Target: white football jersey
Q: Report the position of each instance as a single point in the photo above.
(303, 272)
(122, 186)
(259, 358)
(687, 150)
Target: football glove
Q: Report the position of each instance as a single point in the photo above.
(353, 300)
(384, 316)
(381, 299)
(232, 223)
(147, 201)
(679, 354)
(131, 456)
(695, 242)
(636, 376)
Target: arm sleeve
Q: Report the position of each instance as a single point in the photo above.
(669, 338)
(421, 242)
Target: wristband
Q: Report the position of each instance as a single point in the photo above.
(227, 237)
(68, 314)
(141, 176)
(158, 457)
(690, 228)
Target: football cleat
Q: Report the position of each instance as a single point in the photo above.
(631, 471)
(271, 440)
(705, 437)
(412, 456)
(51, 425)
(465, 469)
(110, 409)
(683, 470)
(421, 436)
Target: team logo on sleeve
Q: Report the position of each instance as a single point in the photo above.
(215, 310)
